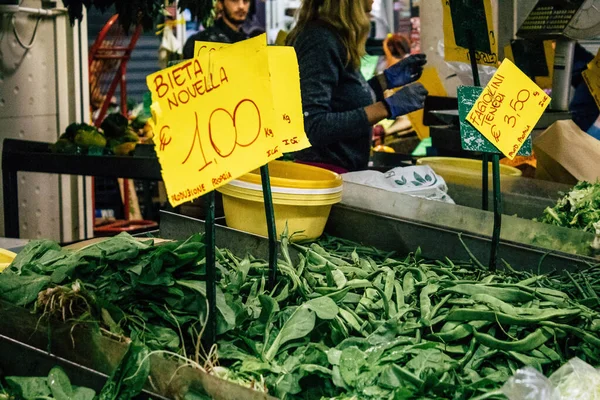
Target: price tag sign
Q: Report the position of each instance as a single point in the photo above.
(466, 20)
(594, 65)
(213, 118)
(508, 108)
(285, 88)
(470, 137)
(592, 78)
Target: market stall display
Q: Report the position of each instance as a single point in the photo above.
(429, 327)
(368, 294)
(23, 155)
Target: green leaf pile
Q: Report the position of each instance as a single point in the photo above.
(126, 381)
(55, 386)
(578, 209)
(344, 322)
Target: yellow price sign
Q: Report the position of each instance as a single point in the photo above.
(285, 87)
(592, 78)
(595, 63)
(508, 109)
(214, 119)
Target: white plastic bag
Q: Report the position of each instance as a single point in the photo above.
(464, 72)
(576, 380)
(418, 181)
(529, 384)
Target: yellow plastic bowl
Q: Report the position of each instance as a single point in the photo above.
(302, 199)
(463, 170)
(6, 257)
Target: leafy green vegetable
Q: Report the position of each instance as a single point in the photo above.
(128, 379)
(31, 252)
(299, 324)
(226, 317)
(59, 384)
(56, 386)
(350, 363)
(344, 322)
(21, 289)
(28, 387)
(578, 209)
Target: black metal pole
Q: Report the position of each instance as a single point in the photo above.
(497, 211)
(484, 181)
(11, 203)
(271, 228)
(473, 58)
(211, 284)
(477, 82)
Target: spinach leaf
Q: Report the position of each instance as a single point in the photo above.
(351, 362)
(290, 383)
(128, 379)
(28, 388)
(325, 307)
(83, 393)
(269, 308)
(226, 317)
(430, 361)
(298, 325)
(118, 248)
(32, 252)
(160, 337)
(59, 384)
(56, 385)
(229, 351)
(302, 322)
(22, 289)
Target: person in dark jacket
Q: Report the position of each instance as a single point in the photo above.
(339, 106)
(227, 28)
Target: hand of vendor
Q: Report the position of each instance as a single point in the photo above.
(406, 100)
(404, 72)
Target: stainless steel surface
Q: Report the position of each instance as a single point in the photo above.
(404, 235)
(404, 223)
(410, 210)
(176, 226)
(523, 197)
(561, 80)
(586, 23)
(11, 244)
(513, 204)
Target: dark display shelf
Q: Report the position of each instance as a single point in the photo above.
(28, 156)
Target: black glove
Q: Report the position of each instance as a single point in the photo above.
(406, 71)
(406, 100)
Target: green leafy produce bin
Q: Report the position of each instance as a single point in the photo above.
(343, 321)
